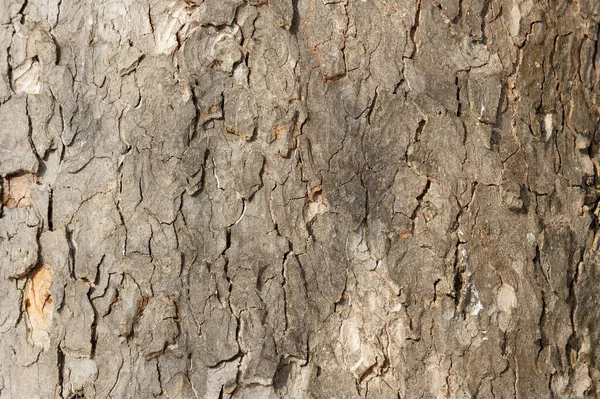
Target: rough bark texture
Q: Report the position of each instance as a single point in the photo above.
(299, 199)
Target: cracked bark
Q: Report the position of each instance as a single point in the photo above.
(299, 199)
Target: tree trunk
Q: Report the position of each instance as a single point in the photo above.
(299, 199)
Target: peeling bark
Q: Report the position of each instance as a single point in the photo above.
(299, 199)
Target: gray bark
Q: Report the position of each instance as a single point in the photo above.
(299, 199)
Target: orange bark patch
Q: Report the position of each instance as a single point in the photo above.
(278, 131)
(38, 306)
(16, 191)
(315, 192)
(142, 305)
(237, 133)
(205, 115)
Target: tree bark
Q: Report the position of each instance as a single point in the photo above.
(299, 199)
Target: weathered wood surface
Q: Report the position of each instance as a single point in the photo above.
(299, 199)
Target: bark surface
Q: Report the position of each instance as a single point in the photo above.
(299, 199)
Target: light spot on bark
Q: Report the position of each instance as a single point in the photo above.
(515, 19)
(548, 125)
(166, 28)
(27, 78)
(477, 306)
(506, 298)
(38, 306)
(79, 372)
(530, 238)
(350, 335)
(465, 262)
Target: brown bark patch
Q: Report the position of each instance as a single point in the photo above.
(38, 305)
(16, 192)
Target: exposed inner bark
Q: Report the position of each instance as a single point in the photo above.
(299, 199)
(38, 306)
